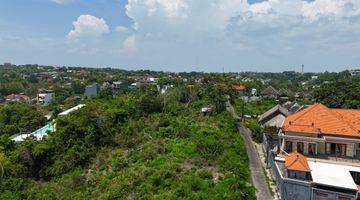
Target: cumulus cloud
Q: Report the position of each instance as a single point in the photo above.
(121, 29)
(129, 45)
(88, 26)
(297, 30)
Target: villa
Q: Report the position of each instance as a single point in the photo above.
(319, 130)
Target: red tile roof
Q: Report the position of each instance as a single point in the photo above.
(239, 87)
(296, 161)
(319, 119)
(236, 87)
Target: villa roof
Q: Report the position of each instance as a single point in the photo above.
(12, 97)
(270, 91)
(319, 119)
(276, 109)
(297, 162)
(236, 87)
(239, 87)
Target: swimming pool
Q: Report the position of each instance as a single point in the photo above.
(49, 128)
(38, 134)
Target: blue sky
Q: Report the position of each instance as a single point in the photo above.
(183, 35)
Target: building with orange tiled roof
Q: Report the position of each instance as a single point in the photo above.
(239, 87)
(322, 130)
(297, 166)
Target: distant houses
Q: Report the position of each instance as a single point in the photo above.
(281, 94)
(270, 91)
(92, 90)
(17, 98)
(355, 72)
(274, 117)
(45, 97)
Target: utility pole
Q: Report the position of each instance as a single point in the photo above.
(302, 69)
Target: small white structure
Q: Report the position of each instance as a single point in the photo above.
(314, 77)
(45, 98)
(66, 112)
(206, 110)
(253, 92)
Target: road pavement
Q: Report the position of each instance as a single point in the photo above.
(257, 172)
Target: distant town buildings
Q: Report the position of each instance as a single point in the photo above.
(92, 90)
(45, 97)
(274, 117)
(17, 98)
(8, 64)
(270, 91)
(117, 85)
(355, 72)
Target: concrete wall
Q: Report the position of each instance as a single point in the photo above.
(318, 194)
(296, 190)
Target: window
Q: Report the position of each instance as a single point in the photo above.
(288, 146)
(312, 149)
(319, 194)
(344, 198)
(300, 147)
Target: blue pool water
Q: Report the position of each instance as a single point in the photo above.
(49, 128)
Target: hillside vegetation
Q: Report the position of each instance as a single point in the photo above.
(130, 146)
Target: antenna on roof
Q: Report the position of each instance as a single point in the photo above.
(302, 68)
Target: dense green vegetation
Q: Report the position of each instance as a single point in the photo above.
(131, 146)
(339, 94)
(254, 108)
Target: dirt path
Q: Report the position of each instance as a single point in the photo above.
(257, 172)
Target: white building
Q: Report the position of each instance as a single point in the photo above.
(66, 112)
(45, 97)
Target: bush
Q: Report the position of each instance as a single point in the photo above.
(257, 132)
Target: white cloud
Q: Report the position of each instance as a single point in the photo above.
(239, 33)
(121, 29)
(88, 26)
(64, 2)
(129, 45)
(186, 34)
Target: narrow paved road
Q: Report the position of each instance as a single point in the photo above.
(257, 173)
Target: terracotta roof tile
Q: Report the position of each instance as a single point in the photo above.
(296, 161)
(319, 119)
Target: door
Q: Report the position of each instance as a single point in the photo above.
(288, 146)
(300, 147)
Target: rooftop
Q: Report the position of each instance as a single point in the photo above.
(334, 175)
(319, 119)
(297, 162)
(66, 112)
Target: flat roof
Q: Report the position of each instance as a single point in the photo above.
(334, 175)
(66, 112)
